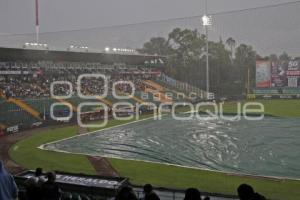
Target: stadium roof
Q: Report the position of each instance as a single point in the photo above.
(15, 54)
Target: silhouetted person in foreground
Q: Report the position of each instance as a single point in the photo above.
(8, 187)
(149, 193)
(33, 185)
(126, 193)
(193, 194)
(246, 192)
(50, 189)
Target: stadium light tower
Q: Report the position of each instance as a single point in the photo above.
(36, 44)
(206, 22)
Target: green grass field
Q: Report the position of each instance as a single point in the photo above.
(279, 108)
(28, 155)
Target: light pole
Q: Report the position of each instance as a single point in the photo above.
(37, 23)
(206, 21)
(207, 64)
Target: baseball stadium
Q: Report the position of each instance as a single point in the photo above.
(198, 107)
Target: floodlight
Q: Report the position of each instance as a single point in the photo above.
(206, 20)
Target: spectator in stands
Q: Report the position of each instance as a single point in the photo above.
(8, 187)
(246, 192)
(126, 193)
(7, 93)
(33, 185)
(50, 189)
(149, 193)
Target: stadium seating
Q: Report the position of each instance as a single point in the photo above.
(25, 88)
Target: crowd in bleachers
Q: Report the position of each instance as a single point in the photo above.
(32, 80)
(40, 187)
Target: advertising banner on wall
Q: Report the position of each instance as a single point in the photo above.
(278, 73)
(12, 129)
(263, 74)
(293, 73)
(285, 78)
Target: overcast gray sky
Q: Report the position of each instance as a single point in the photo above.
(270, 30)
(17, 16)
